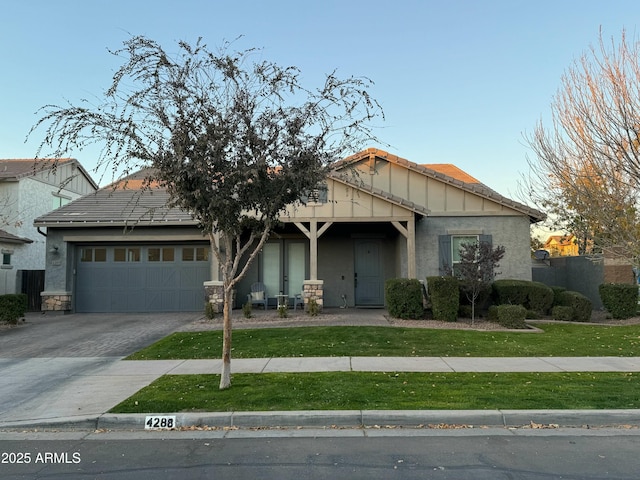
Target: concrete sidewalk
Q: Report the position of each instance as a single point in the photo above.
(83, 401)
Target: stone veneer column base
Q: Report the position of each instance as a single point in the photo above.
(313, 289)
(56, 301)
(214, 294)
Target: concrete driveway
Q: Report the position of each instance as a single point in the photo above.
(39, 359)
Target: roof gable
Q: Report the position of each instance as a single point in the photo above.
(14, 169)
(443, 189)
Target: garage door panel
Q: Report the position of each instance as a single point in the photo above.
(151, 279)
(163, 277)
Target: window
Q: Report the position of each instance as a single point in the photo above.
(457, 241)
(198, 254)
(157, 254)
(126, 254)
(6, 258)
(187, 255)
(59, 200)
(202, 254)
(449, 249)
(315, 196)
(88, 254)
(153, 255)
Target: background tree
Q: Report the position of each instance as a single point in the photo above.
(476, 269)
(586, 170)
(233, 141)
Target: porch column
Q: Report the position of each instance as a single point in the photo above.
(409, 232)
(313, 233)
(313, 250)
(214, 288)
(215, 267)
(411, 247)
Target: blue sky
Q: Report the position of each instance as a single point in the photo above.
(460, 81)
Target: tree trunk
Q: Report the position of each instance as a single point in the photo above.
(225, 377)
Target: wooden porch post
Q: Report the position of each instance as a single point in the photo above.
(313, 250)
(409, 232)
(313, 233)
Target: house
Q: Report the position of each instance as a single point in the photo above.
(377, 217)
(28, 189)
(561, 245)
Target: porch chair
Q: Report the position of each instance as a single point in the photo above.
(298, 299)
(258, 295)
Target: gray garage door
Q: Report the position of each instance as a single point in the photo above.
(141, 278)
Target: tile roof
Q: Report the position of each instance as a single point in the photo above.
(122, 203)
(15, 168)
(451, 171)
(125, 203)
(7, 237)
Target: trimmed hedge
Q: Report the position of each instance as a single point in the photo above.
(445, 297)
(534, 296)
(509, 316)
(620, 299)
(580, 304)
(557, 291)
(13, 307)
(404, 298)
(564, 314)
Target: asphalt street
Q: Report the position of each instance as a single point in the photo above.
(318, 454)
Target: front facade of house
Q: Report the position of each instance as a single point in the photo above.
(379, 217)
(27, 191)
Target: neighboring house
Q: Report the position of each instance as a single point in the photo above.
(28, 190)
(378, 217)
(561, 245)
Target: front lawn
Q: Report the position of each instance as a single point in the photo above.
(565, 340)
(386, 391)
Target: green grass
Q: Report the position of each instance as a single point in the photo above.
(557, 340)
(387, 391)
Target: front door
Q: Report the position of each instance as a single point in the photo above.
(368, 273)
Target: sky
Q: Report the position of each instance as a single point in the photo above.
(460, 81)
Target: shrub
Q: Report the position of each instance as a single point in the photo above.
(581, 305)
(283, 311)
(465, 311)
(209, 310)
(404, 298)
(509, 292)
(620, 299)
(313, 308)
(509, 316)
(532, 315)
(557, 291)
(247, 310)
(531, 295)
(445, 297)
(564, 314)
(540, 297)
(13, 307)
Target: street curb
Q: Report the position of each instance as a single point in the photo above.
(350, 419)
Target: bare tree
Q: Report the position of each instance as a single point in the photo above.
(586, 170)
(233, 141)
